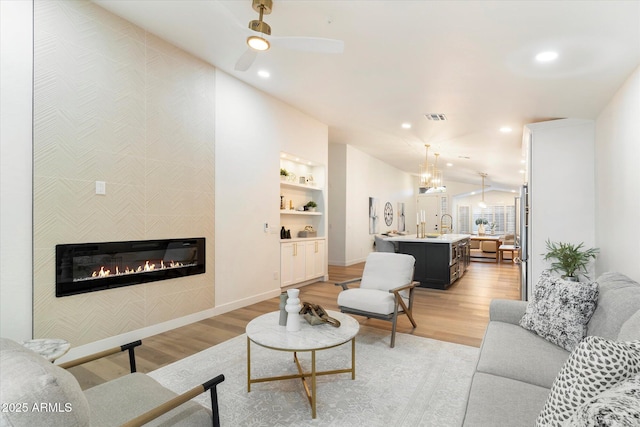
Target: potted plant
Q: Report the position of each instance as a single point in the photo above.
(283, 174)
(481, 222)
(569, 259)
(311, 206)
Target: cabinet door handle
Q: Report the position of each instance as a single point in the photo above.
(295, 249)
(316, 247)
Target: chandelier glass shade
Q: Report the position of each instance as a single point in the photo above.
(431, 178)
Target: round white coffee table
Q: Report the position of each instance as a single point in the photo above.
(49, 348)
(266, 332)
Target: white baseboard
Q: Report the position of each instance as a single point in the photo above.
(139, 334)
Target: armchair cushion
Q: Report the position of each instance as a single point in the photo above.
(29, 381)
(370, 300)
(384, 271)
(115, 402)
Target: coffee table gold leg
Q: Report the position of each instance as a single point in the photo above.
(248, 365)
(353, 358)
(313, 384)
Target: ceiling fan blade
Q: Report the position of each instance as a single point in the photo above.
(246, 59)
(309, 44)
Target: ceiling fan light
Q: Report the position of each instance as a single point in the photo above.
(258, 43)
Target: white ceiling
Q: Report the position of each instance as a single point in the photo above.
(471, 60)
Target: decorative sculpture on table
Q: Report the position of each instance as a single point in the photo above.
(293, 309)
(283, 311)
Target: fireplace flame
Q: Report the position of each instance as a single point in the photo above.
(148, 266)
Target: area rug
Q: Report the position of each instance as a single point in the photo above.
(420, 382)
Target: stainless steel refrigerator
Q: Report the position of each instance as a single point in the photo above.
(522, 240)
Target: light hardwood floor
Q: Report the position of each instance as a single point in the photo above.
(459, 314)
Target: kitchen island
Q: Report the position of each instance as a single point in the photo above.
(440, 261)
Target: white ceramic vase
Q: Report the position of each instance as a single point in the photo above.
(293, 310)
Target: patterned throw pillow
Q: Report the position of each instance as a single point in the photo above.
(560, 310)
(618, 406)
(594, 366)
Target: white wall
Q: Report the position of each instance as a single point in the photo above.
(251, 130)
(367, 177)
(338, 206)
(618, 181)
(16, 235)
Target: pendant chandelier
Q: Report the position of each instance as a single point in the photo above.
(431, 179)
(482, 204)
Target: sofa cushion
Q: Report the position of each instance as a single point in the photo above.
(619, 299)
(42, 393)
(497, 401)
(560, 310)
(117, 401)
(511, 351)
(630, 330)
(618, 406)
(595, 365)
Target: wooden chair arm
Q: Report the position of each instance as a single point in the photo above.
(179, 400)
(347, 282)
(130, 346)
(404, 287)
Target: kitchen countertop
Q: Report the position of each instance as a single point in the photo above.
(443, 238)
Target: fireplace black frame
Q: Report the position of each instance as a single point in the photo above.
(68, 254)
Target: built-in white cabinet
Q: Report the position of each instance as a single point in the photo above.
(303, 256)
(314, 259)
(302, 260)
(303, 183)
(292, 263)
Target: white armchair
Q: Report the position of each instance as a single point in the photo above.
(386, 289)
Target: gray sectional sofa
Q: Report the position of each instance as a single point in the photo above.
(516, 368)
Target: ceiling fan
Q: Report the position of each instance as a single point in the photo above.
(263, 40)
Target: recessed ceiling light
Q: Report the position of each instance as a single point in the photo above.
(264, 74)
(406, 126)
(546, 56)
(449, 164)
(520, 171)
(505, 129)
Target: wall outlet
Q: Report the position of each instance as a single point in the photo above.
(275, 275)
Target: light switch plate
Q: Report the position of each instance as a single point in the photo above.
(101, 187)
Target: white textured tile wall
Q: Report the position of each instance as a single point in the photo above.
(116, 104)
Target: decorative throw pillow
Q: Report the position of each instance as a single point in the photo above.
(560, 310)
(618, 406)
(594, 366)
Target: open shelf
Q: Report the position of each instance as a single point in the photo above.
(290, 212)
(296, 185)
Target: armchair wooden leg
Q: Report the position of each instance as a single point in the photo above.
(393, 331)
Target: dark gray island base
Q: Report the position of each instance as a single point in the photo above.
(440, 261)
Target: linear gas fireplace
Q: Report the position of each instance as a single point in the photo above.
(88, 267)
